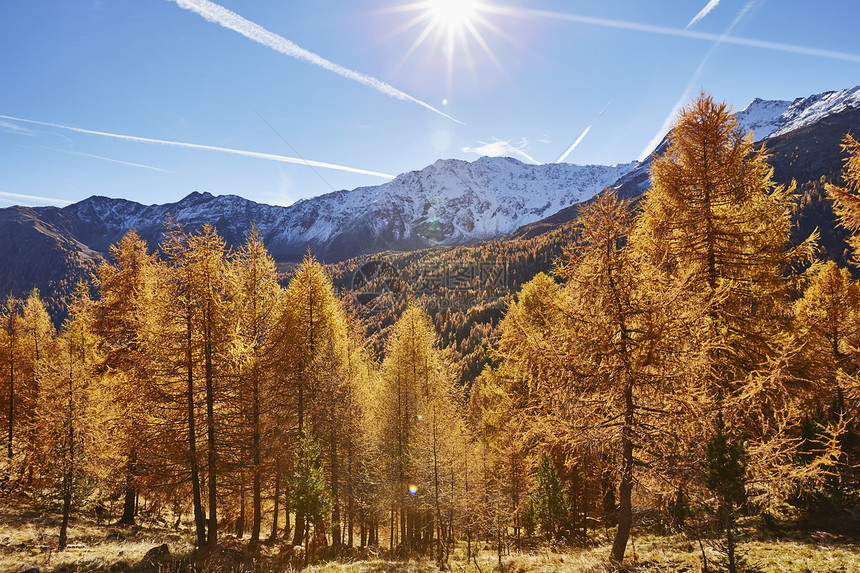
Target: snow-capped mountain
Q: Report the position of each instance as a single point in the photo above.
(762, 117)
(447, 203)
(769, 119)
(450, 202)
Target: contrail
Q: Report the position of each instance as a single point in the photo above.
(121, 162)
(223, 17)
(6, 126)
(688, 91)
(11, 197)
(255, 154)
(704, 11)
(581, 136)
(662, 30)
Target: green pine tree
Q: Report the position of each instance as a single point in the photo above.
(307, 483)
(725, 467)
(549, 500)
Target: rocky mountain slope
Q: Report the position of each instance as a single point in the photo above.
(450, 202)
(769, 120)
(802, 137)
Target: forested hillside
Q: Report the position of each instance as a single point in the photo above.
(692, 357)
(809, 157)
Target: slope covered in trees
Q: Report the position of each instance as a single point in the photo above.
(680, 355)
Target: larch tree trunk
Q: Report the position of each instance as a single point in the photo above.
(625, 488)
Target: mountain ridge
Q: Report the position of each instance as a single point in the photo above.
(450, 202)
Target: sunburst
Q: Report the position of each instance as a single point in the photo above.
(451, 26)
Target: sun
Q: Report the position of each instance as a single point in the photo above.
(452, 14)
(451, 28)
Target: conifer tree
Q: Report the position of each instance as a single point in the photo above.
(417, 415)
(836, 307)
(600, 360)
(404, 377)
(39, 334)
(724, 468)
(307, 484)
(715, 216)
(177, 315)
(198, 314)
(827, 320)
(549, 500)
(713, 205)
(123, 321)
(495, 404)
(257, 295)
(714, 210)
(10, 335)
(847, 196)
(314, 345)
(359, 378)
(208, 254)
(68, 415)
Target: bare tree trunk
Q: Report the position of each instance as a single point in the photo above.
(286, 511)
(199, 518)
(258, 465)
(450, 534)
(374, 530)
(128, 508)
(350, 507)
(70, 469)
(625, 489)
(335, 512)
(468, 515)
(300, 513)
(730, 537)
(515, 496)
(67, 505)
(11, 397)
(274, 534)
(240, 523)
(306, 536)
(584, 506)
(212, 540)
(300, 527)
(439, 553)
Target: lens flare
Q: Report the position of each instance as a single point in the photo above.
(413, 489)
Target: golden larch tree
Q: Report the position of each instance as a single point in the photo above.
(123, 321)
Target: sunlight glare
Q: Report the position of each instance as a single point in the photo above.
(449, 26)
(453, 13)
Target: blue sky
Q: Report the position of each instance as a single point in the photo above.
(153, 99)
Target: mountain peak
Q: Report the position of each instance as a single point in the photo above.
(450, 202)
(196, 196)
(806, 111)
(770, 118)
(762, 117)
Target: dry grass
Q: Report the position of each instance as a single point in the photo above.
(647, 554)
(29, 539)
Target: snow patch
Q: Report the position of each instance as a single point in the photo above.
(772, 118)
(457, 200)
